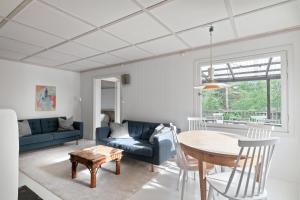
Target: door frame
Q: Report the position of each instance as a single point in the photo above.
(97, 99)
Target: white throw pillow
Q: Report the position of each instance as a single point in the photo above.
(24, 128)
(156, 131)
(119, 130)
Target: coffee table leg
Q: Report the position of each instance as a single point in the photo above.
(74, 167)
(93, 177)
(118, 166)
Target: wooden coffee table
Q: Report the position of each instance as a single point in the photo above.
(93, 158)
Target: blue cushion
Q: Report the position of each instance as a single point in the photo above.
(148, 129)
(38, 138)
(135, 129)
(131, 145)
(65, 134)
(49, 125)
(35, 126)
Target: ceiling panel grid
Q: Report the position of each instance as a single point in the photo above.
(98, 33)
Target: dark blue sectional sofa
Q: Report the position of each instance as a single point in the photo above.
(45, 133)
(138, 146)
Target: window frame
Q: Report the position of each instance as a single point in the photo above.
(284, 53)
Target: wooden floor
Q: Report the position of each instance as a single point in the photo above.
(164, 187)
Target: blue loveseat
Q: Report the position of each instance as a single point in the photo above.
(138, 146)
(45, 133)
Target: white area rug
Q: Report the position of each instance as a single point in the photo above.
(52, 169)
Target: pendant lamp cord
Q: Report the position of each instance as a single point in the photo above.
(211, 70)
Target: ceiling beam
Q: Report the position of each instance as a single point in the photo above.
(268, 66)
(251, 72)
(231, 18)
(14, 12)
(244, 66)
(256, 78)
(231, 71)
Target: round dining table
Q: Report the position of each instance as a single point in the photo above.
(214, 147)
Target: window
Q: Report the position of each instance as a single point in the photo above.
(255, 92)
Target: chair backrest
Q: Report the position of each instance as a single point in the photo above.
(196, 123)
(180, 156)
(259, 131)
(255, 159)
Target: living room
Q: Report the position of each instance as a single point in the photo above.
(162, 59)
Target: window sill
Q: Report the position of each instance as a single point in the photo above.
(241, 129)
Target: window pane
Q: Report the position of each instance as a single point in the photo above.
(244, 101)
(246, 69)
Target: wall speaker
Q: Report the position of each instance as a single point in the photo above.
(125, 79)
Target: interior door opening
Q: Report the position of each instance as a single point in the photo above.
(107, 96)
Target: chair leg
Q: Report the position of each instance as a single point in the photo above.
(179, 177)
(210, 194)
(152, 168)
(194, 176)
(183, 183)
(77, 142)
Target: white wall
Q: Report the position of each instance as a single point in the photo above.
(108, 98)
(161, 90)
(17, 89)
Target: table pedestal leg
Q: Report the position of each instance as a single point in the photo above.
(74, 167)
(118, 166)
(93, 177)
(202, 178)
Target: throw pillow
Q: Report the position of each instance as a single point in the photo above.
(119, 130)
(24, 128)
(65, 124)
(156, 131)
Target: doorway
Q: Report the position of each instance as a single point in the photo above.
(107, 98)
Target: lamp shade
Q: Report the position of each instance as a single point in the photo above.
(211, 86)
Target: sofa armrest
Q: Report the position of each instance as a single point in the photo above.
(78, 126)
(102, 132)
(163, 148)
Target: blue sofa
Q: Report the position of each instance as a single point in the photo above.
(45, 133)
(138, 146)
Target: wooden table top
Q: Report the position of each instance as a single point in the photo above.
(96, 153)
(211, 142)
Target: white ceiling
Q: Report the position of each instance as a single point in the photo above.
(80, 35)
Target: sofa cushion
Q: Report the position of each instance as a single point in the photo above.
(131, 145)
(49, 125)
(119, 130)
(65, 134)
(24, 128)
(148, 129)
(37, 138)
(135, 129)
(35, 126)
(65, 124)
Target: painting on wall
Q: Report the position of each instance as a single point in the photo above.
(45, 99)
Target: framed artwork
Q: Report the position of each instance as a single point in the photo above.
(45, 98)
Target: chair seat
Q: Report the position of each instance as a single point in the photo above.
(219, 182)
(192, 164)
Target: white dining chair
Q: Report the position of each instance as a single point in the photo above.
(184, 163)
(196, 123)
(249, 183)
(259, 131)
